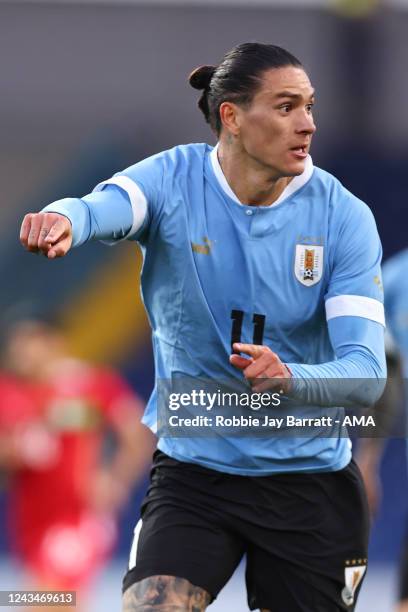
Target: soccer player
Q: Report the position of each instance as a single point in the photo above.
(246, 244)
(396, 310)
(64, 494)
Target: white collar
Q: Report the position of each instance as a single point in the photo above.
(296, 183)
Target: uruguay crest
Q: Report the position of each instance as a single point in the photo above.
(308, 264)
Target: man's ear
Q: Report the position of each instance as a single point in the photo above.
(230, 117)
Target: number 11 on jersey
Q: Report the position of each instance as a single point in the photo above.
(258, 320)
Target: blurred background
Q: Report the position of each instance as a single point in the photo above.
(90, 87)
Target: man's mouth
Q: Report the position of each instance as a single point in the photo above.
(300, 149)
(299, 152)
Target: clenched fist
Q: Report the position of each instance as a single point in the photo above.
(48, 233)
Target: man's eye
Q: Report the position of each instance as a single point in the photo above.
(309, 107)
(286, 107)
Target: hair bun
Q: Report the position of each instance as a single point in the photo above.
(200, 77)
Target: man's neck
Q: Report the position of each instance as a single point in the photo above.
(251, 183)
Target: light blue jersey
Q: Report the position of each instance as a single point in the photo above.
(308, 266)
(395, 280)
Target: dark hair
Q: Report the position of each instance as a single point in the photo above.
(237, 78)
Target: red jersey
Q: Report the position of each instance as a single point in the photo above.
(60, 428)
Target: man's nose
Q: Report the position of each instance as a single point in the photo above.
(306, 124)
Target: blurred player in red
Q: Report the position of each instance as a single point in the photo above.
(64, 491)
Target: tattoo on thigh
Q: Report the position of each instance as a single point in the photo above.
(165, 594)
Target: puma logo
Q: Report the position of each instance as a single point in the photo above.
(204, 249)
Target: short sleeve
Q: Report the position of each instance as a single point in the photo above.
(396, 299)
(143, 184)
(355, 285)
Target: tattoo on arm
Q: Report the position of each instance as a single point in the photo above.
(165, 594)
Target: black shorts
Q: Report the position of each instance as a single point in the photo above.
(305, 536)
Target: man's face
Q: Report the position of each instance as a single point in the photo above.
(30, 349)
(276, 129)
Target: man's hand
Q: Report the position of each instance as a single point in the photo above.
(262, 363)
(47, 233)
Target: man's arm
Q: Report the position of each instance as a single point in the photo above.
(121, 207)
(103, 215)
(134, 444)
(355, 378)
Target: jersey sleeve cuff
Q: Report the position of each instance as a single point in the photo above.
(137, 200)
(76, 213)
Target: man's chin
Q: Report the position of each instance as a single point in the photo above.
(288, 167)
(296, 168)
